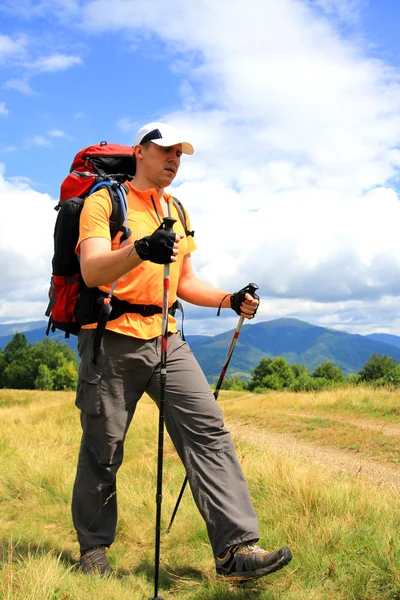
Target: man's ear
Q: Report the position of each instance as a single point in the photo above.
(138, 152)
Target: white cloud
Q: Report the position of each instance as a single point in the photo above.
(20, 85)
(10, 48)
(346, 10)
(128, 125)
(38, 140)
(25, 259)
(55, 62)
(22, 57)
(9, 149)
(293, 245)
(46, 140)
(57, 133)
(293, 164)
(354, 316)
(283, 86)
(3, 109)
(29, 9)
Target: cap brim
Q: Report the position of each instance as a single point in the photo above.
(186, 147)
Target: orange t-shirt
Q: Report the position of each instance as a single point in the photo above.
(144, 284)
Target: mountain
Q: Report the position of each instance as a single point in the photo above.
(35, 331)
(8, 329)
(295, 340)
(386, 338)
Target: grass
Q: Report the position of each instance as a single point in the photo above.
(351, 419)
(344, 532)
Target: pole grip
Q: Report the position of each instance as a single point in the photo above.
(252, 288)
(169, 223)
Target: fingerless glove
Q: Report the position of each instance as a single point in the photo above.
(157, 247)
(238, 298)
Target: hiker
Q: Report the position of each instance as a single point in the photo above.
(128, 365)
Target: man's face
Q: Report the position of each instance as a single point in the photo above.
(158, 164)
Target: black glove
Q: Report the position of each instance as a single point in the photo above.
(238, 298)
(157, 247)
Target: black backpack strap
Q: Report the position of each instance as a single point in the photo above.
(117, 219)
(177, 305)
(117, 193)
(182, 215)
(104, 315)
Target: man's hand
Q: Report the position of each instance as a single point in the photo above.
(244, 304)
(161, 247)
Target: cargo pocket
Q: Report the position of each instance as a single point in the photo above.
(88, 396)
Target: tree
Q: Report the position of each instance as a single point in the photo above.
(61, 362)
(328, 370)
(299, 370)
(308, 383)
(353, 378)
(52, 353)
(379, 366)
(272, 373)
(17, 376)
(18, 372)
(44, 379)
(393, 377)
(233, 382)
(45, 365)
(3, 365)
(16, 348)
(65, 377)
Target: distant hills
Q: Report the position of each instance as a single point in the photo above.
(35, 331)
(295, 340)
(386, 338)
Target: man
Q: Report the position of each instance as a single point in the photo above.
(128, 365)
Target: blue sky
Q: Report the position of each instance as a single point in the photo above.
(294, 111)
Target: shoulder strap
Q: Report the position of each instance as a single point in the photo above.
(117, 213)
(117, 217)
(182, 215)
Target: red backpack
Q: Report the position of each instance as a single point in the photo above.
(93, 167)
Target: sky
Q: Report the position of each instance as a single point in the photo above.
(293, 108)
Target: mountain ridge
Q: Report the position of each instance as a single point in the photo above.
(296, 340)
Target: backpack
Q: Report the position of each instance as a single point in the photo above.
(71, 303)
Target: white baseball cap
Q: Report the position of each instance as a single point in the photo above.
(162, 134)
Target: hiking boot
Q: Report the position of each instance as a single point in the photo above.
(94, 562)
(246, 561)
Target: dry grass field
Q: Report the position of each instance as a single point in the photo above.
(323, 471)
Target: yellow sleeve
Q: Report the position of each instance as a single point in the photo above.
(95, 217)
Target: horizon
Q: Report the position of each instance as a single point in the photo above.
(253, 322)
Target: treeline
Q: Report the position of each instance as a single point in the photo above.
(46, 365)
(52, 365)
(277, 374)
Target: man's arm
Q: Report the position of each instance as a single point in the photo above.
(195, 291)
(101, 266)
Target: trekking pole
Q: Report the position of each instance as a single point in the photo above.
(252, 287)
(169, 222)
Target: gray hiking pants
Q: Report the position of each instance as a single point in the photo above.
(107, 395)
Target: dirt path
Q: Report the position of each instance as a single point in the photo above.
(339, 461)
(386, 428)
